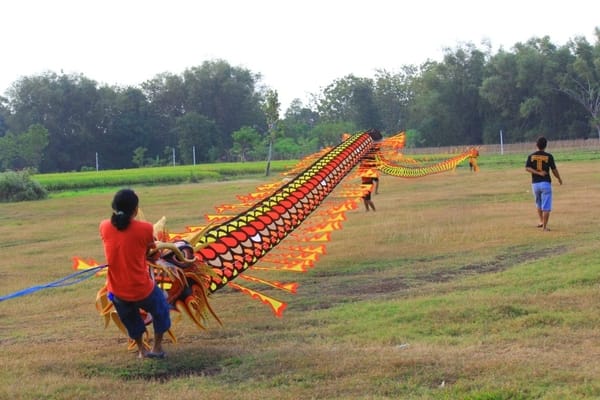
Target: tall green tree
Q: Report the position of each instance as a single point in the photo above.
(350, 99)
(501, 97)
(446, 108)
(25, 150)
(62, 104)
(245, 142)
(4, 115)
(542, 106)
(9, 151)
(522, 96)
(32, 146)
(197, 137)
(298, 120)
(129, 125)
(139, 157)
(326, 134)
(394, 93)
(288, 149)
(581, 81)
(226, 95)
(166, 94)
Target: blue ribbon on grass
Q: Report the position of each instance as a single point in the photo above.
(68, 280)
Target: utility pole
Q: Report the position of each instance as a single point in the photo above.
(271, 109)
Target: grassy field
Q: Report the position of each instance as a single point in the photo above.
(448, 291)
(62, 181)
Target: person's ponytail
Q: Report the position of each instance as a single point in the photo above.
(124, 205)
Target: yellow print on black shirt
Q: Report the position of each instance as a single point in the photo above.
(539, 160)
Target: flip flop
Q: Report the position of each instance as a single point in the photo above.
(159, 356)
(540, 225)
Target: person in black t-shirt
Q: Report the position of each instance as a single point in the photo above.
(368, 185)
(539, 164)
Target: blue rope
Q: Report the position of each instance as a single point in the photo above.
(66, 281)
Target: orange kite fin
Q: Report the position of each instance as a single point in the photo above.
(276, 306)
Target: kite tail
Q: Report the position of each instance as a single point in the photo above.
(389, 168)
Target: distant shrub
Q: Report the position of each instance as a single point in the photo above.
(18, 186)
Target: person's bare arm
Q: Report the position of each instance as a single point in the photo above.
(535, 171)
(557, 175)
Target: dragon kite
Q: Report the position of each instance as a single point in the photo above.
(238, 242)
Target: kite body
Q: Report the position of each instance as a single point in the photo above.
(191, 266)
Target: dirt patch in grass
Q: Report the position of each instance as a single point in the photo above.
(388, 282)
(500, 263)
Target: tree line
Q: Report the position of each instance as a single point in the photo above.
(218, 112)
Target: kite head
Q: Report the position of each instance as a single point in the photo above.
(179, 253)
(375, 134)
(183, 257)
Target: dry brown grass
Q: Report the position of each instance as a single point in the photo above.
(447, 291)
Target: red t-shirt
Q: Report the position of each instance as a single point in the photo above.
(128, 276)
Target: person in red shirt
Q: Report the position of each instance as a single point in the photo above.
(126, 243)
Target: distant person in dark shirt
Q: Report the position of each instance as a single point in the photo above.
(368, 185)
(539, 164)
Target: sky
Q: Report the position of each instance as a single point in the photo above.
(298, 47)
